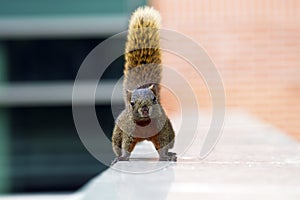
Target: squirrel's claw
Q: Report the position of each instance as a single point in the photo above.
(114, 162)
(170, 156)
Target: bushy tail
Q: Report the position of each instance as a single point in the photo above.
(142, 45)
(142, 53)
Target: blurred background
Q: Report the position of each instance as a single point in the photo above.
(255, 45)
(42, 45)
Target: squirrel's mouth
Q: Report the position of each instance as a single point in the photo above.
(145, 111)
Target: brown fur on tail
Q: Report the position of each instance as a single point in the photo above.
(142, 53)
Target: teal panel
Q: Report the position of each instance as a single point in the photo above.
(3, 67)
(66, 7)
(4, 131)
(4, 152)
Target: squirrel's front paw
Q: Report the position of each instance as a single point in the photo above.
(170, 156)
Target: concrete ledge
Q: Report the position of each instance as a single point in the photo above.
(253, 160)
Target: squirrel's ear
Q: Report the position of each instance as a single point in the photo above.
(153, 88)
(128, 94)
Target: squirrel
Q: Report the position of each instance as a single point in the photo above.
(143, 117)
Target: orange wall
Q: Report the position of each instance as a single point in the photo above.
(255, 45)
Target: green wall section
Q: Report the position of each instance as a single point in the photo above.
(3, 64)
(48, 8)
(4, 131)
(12, 8)
(4, 153)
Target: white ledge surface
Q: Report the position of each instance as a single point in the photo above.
(253, 160)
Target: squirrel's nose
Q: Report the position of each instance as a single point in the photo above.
(145, 108)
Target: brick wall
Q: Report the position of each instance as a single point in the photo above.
(255, 45)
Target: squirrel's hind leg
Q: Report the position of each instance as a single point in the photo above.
(164, 142)
(123, 144)
(117, 141)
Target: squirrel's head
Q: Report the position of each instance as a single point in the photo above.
(143, 103)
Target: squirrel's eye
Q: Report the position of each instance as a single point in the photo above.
(154, 99)
(132, 103)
